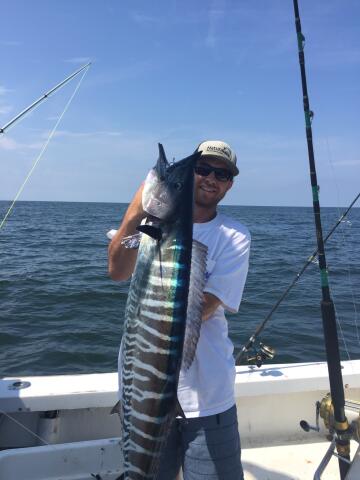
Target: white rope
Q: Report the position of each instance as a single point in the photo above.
(42, 151)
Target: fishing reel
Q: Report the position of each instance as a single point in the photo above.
(349, 430)
(325, 410)
(264, 352)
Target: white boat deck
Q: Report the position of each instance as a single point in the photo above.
(289, 462)
(102, 459)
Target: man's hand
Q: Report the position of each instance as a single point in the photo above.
(211, 303)
(122, 260)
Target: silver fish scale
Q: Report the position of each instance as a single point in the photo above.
(151, 353)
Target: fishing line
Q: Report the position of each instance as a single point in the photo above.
(329, 157)
(350, 283)
(353, 299)
(347, 260)
(274, 292)
(24, 427)
(341, 332)
(249, 344)
(42, 151)
(51, 445)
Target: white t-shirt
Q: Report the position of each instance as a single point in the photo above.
(207, 387)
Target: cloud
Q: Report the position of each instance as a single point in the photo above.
(99, 133)
(38, 139)
(337, 58)
(4, 91)
(80, 60)
(10, 43)
(144, 19)
(216, 14)
(126, 72)
(7, 143)
(263, 141)
(347, 163)
(5, 109)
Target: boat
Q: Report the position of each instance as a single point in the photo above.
(60, 427)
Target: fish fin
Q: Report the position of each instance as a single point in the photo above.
(117, 409)
(162, 163)
(132, 241)
(151, 230)
(195, 302)
(179, 412)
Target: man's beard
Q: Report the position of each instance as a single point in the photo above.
(206, 203)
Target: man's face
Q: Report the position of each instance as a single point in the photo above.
(209, 190)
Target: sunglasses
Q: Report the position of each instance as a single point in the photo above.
(221, 174)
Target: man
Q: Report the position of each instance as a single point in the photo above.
(206, 443)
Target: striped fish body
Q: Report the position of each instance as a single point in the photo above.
(152, 350)
(153, 340)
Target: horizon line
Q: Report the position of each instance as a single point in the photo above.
(221, 205)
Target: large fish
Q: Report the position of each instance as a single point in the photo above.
(162, 317)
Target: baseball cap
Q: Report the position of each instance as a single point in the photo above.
(221, 151)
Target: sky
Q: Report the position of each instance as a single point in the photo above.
(179, 72)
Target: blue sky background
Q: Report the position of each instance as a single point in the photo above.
(179, 72)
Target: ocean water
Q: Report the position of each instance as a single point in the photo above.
(61, 313)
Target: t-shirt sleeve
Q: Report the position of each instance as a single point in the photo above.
(227, 278)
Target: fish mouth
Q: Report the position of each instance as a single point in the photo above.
(156, 210)
(152, 220)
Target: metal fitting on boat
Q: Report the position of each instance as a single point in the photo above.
(49, 426)
(355, 426)
(19, 385)
(343, 426)
(343, 450)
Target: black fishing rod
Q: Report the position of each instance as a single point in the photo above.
(250, 343)
(42, 98)
(327, 305)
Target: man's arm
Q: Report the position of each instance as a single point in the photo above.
(122, 260)
(211, 303)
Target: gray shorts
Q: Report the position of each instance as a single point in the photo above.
(207, 448)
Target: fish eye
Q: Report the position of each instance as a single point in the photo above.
(178, 186)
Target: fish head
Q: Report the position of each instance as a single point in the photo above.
(169, 187)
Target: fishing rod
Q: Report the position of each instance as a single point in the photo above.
(42, 98)
(342, 438)
(52, 133)
(259, 357)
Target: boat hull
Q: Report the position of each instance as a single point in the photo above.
(74, 417)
